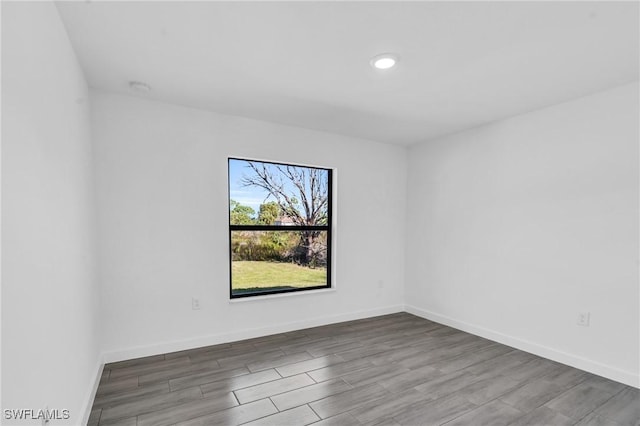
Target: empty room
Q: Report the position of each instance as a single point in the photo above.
(320, 212)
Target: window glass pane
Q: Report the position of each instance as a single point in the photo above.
(274, 261)
(279, 227)
(263, 193)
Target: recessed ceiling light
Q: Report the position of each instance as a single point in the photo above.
(384, 61)
(139, 86)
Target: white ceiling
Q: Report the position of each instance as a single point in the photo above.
(306, 64)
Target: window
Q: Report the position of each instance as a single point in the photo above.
(279, 227)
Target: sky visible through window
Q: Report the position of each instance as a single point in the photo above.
(246, 195)
(252, 196)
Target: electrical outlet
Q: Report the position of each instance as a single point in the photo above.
(583, 319)
(195, 303)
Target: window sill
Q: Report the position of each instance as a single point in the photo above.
(279, 295)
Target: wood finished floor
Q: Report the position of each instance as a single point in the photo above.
(390, 370)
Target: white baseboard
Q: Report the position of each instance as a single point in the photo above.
(93, 388)
(594, 367)
(215, 339)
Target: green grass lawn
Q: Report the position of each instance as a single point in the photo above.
(252, 276)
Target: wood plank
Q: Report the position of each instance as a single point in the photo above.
(281, 361)
(234, 416)
(275, 387)
(623, 408)
(410, 379)
(348, 400)
(130, 395)
(435, 412)
(344, 419)
(188, 410)
(310, 365)
(594, 419)
(494, 413)
(374, 374)
(543, 416)
(139, 369)
(129, 421)
(94, 417)
(446, 384)
(155, 402)
(208, 366)
(532, 395)
(579, 401)
(299, 416)
(205, 377)
(386, 408)
(309, 394)
(121, 385)
(485, 390)
(136, 361)
(337, 370)
(239, 382)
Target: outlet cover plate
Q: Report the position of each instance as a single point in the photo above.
(584, 319)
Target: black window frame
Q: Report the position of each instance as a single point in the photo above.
(290, 228)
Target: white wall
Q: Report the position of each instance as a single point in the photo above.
(49, 334)
(516, 227)
(163, 225)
